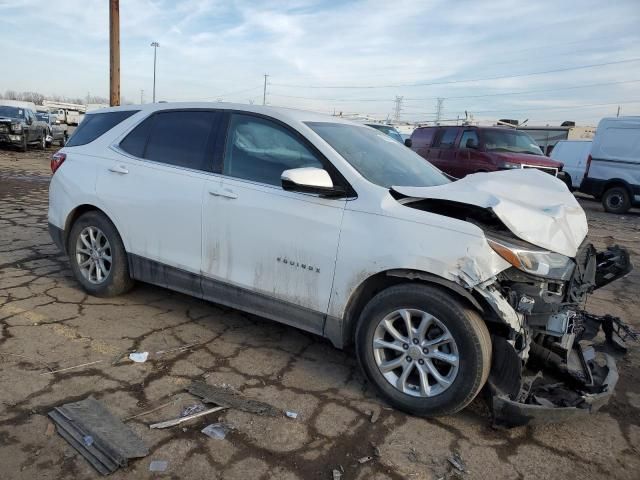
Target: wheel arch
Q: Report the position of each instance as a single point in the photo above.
(80, 210)
(617, 182)
(374, 284)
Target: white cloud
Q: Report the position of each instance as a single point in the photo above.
(210, 47)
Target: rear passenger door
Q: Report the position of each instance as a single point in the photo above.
(154, 183)
(443, 151)
(267, 250)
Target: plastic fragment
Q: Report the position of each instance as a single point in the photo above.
(216, 431)
(139, 357)
(457, 462)
(291, 414)
(158, 465)
(337, 474)
(365, 459)
(87, 440)
(190, 410)
(374, 416)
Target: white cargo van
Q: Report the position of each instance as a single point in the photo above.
(573, 154)
(613, 168)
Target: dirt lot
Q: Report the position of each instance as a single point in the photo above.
(47, 321)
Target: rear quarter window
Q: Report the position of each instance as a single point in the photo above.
(95, 125)
(422, 137)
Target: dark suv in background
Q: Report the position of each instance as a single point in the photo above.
(461, 150)
(19, 127)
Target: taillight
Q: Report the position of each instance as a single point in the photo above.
(586, 170)
(56, 160)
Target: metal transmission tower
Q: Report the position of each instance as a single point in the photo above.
(439, 110)
(398, 108)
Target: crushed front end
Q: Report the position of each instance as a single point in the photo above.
(549, 369)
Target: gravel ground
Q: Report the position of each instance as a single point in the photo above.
(47, 321)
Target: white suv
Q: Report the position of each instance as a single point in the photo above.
(335, 228)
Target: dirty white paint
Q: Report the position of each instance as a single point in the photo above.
(534, 205)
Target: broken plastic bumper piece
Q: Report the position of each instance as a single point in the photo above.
(574, 384)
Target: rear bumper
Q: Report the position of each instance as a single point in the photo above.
(57, 235)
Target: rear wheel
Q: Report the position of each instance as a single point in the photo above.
(424, 351)
(97, 256)
(616, 200)
(24, 146)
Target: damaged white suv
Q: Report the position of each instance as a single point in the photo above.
(335, 228)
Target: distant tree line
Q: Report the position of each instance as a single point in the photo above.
(37, 98)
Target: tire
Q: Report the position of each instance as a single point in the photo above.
(24, 147)
(63, 140)
(616, 200)
(471, 346)
(117, 280)
(42, 143)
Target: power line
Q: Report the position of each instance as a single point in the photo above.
(449, 82)
(526, 109)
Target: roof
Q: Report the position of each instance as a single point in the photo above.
(280, 113)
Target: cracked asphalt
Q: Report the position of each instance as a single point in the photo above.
(47, 322)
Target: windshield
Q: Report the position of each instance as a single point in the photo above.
(14, 112)
(392, 132)
(377, 157)
(43, 116)
(510, 141)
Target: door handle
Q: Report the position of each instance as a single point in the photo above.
(222, 192)
(118, 169)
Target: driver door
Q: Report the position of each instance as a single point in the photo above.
(271, 251)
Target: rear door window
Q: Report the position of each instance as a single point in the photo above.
(422, 137)
(469, 135)
(178, 138)
(95, 125)
(446, 138)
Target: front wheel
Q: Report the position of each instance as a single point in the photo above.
(97, 256)
(616, 200)
(424, 351)
(42, 144)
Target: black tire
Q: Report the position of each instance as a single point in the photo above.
(24, 147)
(42, 142)
(118, 280)
(63, 140)
(616, 200)
(466, 327)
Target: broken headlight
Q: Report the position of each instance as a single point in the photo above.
(538, 262)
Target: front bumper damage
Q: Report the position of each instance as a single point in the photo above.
(550, 367)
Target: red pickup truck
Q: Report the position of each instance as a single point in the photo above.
(459, 151)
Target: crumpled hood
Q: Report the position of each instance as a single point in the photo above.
(534, 205)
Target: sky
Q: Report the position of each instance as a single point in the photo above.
(545, 61)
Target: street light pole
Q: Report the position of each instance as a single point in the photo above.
(155, 46)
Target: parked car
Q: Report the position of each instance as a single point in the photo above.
(56, 130)
(19, 127)
(459, 151)
(324, 224)
(573, 155)
(388, 130)
(613, 168)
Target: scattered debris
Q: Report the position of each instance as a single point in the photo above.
(365, 459)
(50, 429)
(337, 475)
(139, 357)
(217, 431)
(290, 414)
(34, 360)
(375, 415)
(457, 462)
(147, 412)
(227, 398)
(177, 421)
(158, 465)
(71, 368)
(97, 434)
(179, 349)
(190, 410)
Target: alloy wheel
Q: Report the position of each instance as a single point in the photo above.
(93, 255)
(415, 352)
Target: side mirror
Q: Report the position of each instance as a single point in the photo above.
(310, 180)
(407, 142)
(471, 143)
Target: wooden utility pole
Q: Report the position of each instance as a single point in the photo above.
(114, 52)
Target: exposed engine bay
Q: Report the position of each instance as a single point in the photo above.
(547, 365)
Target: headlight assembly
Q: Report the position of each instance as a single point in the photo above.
(16, 127)
(529, 259)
